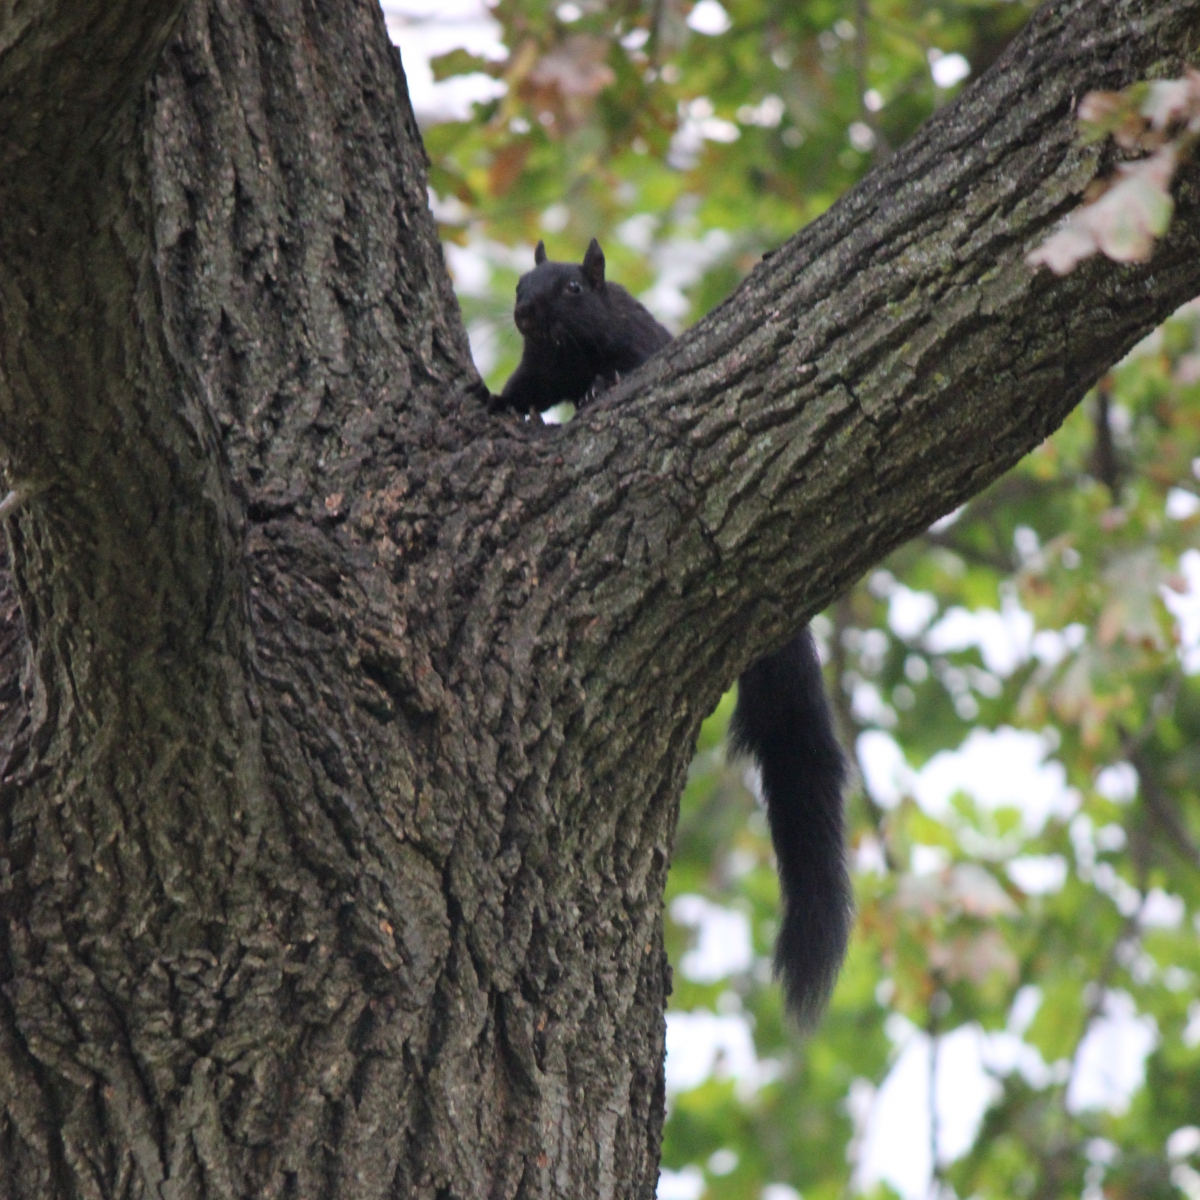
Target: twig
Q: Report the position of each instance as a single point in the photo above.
(1164, 811)
(1160, 806)
(1104, 463)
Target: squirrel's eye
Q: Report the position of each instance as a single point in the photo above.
(575, 286)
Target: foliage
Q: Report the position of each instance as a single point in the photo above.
(688, 154)
(1054, 617)
(1122, 217)
(1078, 538)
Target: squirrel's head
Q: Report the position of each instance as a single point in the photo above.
(557, 298)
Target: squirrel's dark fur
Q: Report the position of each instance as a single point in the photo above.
(580, 333)
(782, 720)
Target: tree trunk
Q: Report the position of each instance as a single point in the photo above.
(344, 724)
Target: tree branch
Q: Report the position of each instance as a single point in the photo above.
(895, 357)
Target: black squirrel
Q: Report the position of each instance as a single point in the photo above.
(581, 333)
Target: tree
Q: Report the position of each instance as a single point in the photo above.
(346, 724)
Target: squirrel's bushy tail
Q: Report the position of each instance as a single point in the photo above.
(783, 720)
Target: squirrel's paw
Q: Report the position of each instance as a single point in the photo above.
(600, 385)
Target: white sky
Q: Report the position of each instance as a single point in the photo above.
(423, 29)
(998, 768)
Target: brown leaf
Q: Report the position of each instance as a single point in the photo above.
(974, 958)
(1124, 223)
(507, 165)
(575, 68)
(561, 86)
(1173, 101)
(1115, 113)
(1098, 108)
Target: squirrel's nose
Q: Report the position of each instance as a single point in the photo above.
(523, 315)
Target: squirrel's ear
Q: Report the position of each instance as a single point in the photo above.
(593, 264)
(539, 254)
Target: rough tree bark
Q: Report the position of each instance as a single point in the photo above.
(344, 724)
